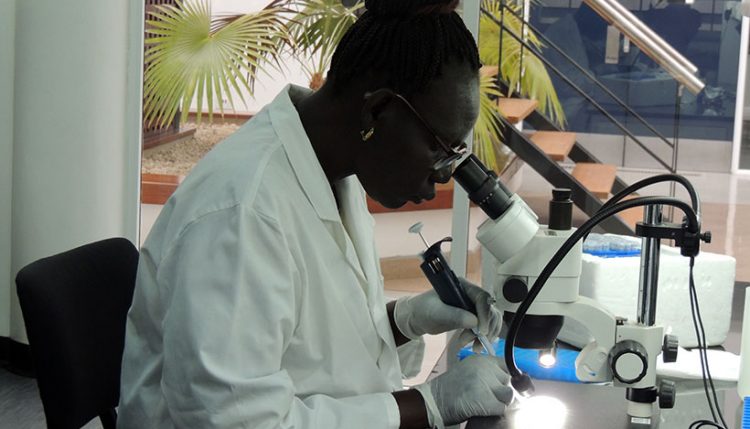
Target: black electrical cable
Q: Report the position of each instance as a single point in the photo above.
(700, 423)
(703, 345)
(693, 226)
(700, 338)
(694, 198)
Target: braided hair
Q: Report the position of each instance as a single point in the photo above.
(408, 40)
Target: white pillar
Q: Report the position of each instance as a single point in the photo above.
(742, 85)
(76, 151)
(7, 32)
(460, 230)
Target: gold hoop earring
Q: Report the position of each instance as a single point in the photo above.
(367, 135)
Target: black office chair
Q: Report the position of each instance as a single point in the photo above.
(74, 306)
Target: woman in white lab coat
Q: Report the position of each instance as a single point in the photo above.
(259, 300)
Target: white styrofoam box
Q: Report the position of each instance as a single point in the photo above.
(613, 282)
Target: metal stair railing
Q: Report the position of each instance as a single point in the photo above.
(578, 153)
(567, 80)
(559, 177)
(682, 70)
(581, 69)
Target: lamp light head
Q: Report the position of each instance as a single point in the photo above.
(523, 385)
(548, 357)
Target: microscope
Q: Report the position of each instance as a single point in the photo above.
(534, 272)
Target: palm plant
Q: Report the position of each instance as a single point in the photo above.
(316, 30)
(487, 130)
(191, 55)
(535, 82)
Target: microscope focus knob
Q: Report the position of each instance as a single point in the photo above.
(629, 361)
(667, 394)
(670, 348)
(515, 290)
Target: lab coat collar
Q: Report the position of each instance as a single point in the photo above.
(355, 240)
(288, 126)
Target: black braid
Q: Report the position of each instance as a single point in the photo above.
(410, 47)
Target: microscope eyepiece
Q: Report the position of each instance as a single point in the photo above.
(561, 210)
(483, 187)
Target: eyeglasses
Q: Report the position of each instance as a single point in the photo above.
(453, 153)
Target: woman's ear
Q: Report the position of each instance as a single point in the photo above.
(374, 104)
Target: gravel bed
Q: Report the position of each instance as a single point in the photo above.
(178, 158)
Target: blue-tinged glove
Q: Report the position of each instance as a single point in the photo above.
(427, 314)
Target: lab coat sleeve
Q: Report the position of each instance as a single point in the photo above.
(230, 285)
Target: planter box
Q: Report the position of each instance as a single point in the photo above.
(157, 188)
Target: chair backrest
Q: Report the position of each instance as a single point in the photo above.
(75, 306)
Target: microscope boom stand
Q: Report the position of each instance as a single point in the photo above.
(621, 352)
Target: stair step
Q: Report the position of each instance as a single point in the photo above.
(488, 71)
(516, 109)
(631, 216)
(597, 178)
(556, 144)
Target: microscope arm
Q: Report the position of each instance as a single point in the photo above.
(592, 365)
(622, 352)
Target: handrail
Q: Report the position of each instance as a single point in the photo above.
(585, 72)
(650, 34)
(649, 42)
(567, 80)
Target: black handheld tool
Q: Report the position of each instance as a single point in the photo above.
(445, 282)
(443, 279)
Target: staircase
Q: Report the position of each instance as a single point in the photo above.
(591, 181)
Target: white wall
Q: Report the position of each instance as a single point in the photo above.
(76, 133)
(7, 31)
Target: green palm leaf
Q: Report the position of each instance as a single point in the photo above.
(535, 82)
(316, 30)
(488, 129)
(191, 55)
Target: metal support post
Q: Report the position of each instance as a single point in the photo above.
(676, 144)
(649, 279)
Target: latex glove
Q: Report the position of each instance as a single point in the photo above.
(474, 387)
(427, 314)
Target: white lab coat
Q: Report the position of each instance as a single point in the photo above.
(258, 304)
